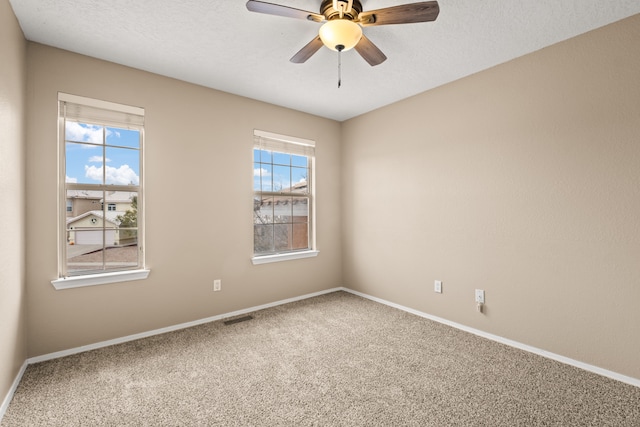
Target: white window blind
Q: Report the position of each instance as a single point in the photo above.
(105, 113)
(287, 144)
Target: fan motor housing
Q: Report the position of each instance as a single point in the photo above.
(326, 8)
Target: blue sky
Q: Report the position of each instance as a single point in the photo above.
(85, 162)
(278, 170)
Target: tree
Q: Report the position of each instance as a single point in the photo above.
(129, 221)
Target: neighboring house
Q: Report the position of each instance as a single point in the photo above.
(88, 222)
(86, 229)
(81, 201)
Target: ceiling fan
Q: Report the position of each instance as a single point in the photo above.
(343, 21)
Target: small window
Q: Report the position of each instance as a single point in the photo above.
(283, 194)
(100, 172)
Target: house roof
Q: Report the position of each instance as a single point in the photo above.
(111, 216)
(111, 196)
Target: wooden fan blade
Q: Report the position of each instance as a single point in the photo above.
(404, 14)
(279, 10)
(307, 51)
(370, 52)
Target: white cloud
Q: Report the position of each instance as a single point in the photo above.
(83, 133)
(98, 159)
(123, 175)
(71, 180)
(87, 133)
(261, 172)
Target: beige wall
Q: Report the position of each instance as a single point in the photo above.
(521, 180)
(524, 181)
(198, 145)
(12, 247)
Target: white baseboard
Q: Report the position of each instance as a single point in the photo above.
(101, 344)
(557, 357)
(12, 390)
(587, 367)
(133, 337)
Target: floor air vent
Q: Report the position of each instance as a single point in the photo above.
(238, 320)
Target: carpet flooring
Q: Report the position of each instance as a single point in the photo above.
(332, 360)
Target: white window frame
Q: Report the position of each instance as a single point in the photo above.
(278, 142)
(108, 114)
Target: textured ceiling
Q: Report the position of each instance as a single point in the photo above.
(221, 45)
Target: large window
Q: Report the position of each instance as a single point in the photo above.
(101, 224)
(283, 195)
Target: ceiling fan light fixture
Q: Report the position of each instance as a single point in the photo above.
(340, 34)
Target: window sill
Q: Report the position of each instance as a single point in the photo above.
(265, 259)
(99, 279)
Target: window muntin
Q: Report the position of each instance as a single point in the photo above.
(283, 198)
(101, 154)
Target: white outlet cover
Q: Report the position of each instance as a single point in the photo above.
(437, 286)
(480, 296)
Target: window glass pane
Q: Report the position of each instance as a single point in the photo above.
(281, 159)
(92, 229)
(123, 137)
(300, 209)
(282, 235)
(300, 236)
(125, 214)
(265, 156)
(282, 209)
(83, 163)
(123, 253)
(83, 202)
(263, 238)
(262, 174)
(281, 178)
(300, 161)
(299, 179)
(122, 166)
(263, 211)
(82, 132)
(86, 238)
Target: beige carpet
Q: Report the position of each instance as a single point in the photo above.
(333, 360)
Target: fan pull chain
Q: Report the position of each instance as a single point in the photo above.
(339, 48)
(339, 69)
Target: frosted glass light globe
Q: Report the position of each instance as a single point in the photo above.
(340, 34)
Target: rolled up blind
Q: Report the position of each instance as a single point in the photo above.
(77, 108)
(282, 143)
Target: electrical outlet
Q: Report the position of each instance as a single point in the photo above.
(437, 286)
(479, 296)
(217, 285)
